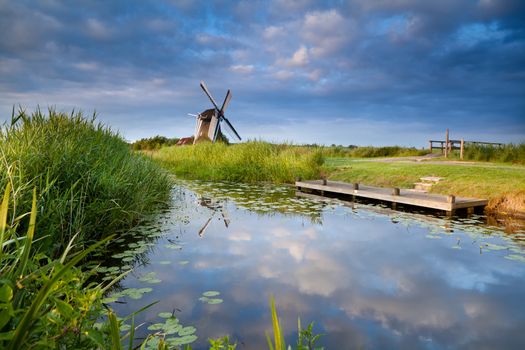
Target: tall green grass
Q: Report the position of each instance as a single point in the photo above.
(89, 181)
(84, 185)
(246, 162)
(44, 302)
(509, 153)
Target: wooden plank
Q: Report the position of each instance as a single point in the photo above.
(405, 196)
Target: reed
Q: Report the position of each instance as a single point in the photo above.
(509, 153)
(253, 161)
(90, 182)
(44, 302)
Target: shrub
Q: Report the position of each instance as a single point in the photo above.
(153, 143)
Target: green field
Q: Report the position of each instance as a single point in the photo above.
(503, 185)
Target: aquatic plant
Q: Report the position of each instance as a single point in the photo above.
(306, 338)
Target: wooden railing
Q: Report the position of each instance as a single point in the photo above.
(447, 145)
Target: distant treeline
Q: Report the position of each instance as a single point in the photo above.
(370, 152)
(153, 143)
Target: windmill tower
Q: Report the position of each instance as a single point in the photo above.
(208, 126)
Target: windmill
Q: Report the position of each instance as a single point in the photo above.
(209, 122)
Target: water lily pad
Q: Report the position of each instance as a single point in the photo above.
(491, 246)
(187, 339)
(165, 314)
(187, 330)
(164, 262)
(136, 293)
(109, 300)
(173, 246)
(183, 262)
(215, 301)
(515, 257)
(211, 301)
(156, 326)
(211, 293)
(125, 327)
(433, 236)
(150, 277)
(152, 343)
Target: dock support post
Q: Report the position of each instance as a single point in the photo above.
(324, 181)
(451, 199)
(446, 144)
(395, 192)
(356, 187)
(461, 149)
(430, 146)
(298, 179)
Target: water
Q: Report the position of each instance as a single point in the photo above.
(367, 276)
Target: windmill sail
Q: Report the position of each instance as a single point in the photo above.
(209, 121)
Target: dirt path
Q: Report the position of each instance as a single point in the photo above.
(427, 159)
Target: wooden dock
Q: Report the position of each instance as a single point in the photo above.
(410, 197)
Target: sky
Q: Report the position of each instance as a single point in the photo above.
(356, 72)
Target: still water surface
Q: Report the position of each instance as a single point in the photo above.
(369, 277)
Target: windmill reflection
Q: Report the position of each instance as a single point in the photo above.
(216, 206)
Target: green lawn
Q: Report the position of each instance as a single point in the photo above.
(503, 185)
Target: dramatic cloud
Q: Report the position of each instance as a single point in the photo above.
(351, 72)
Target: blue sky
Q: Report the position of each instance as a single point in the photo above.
(346, 72)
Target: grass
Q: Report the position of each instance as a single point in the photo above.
(70, 184)
(509, 153)
(89, 181)
(504, 186)
(253, 161)
(44, 302)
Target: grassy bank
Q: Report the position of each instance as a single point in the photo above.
(247, 162)
(88, 180)
(68, 182)
(504, 186)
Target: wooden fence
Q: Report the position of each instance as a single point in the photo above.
(448, 145)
